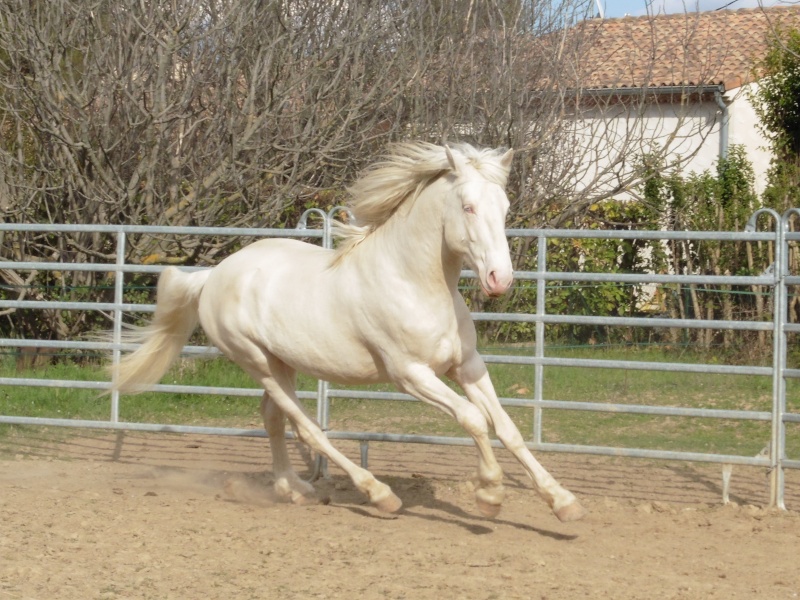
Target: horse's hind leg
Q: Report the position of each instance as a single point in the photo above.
(288, 484)
(278, 381)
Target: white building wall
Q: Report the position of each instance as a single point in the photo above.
(691, 132)
(745, 130)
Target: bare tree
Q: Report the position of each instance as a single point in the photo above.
(242, 112)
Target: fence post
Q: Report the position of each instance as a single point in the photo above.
(323, 387)
(777, 498)
(119, 287)
(538, 369)
(777, 438)
(320, 462)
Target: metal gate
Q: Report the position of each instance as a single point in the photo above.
(778, 280)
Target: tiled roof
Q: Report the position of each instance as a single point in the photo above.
(708, 48)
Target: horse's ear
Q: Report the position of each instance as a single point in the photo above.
(505, 164)
(450, 158)
(507, 158)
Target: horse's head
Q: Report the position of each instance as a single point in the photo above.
(475, 219)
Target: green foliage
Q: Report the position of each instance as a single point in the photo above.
(783, 184)
(721, 201)
(584, 255)
(777, 103)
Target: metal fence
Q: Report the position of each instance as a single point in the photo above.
(777, 279)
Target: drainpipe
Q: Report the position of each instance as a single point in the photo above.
(723, 128)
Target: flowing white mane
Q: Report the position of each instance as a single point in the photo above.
(401, 176)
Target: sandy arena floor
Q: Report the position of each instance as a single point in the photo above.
(104, 515)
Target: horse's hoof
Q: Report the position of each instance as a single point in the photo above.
(389, 504)
(490, 500)
(309, 499)
(488, 509)
(296, 491)
(570, 512)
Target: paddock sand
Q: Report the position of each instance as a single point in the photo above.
(105, 515)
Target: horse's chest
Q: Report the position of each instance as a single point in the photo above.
(413, 326)
(444, 355)
(433, 341)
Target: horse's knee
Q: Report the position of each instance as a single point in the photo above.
(309, 434)
(265, 406)
(273, 416)
(473, 420)
(509, 435)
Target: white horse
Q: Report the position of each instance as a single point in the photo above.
(383, 307)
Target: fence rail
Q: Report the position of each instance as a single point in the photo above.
(777, 280)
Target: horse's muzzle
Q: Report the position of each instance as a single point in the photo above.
(496, 284)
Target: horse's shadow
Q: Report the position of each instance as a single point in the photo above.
(420, 502)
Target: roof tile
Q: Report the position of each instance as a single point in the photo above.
(708, 48)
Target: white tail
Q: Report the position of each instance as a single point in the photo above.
(162, 340)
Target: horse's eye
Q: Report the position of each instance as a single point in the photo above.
(469, 209)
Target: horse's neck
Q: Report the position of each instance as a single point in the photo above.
(413, 237)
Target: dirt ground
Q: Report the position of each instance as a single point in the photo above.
(123, 515)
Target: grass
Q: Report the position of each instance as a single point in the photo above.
(513, 381)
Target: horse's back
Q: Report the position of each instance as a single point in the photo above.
(279, 259)
(276, 249)
(270, 268)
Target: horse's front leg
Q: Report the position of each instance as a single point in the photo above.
(473, 378)
(420, 381)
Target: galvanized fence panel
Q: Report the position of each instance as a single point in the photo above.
(778, 281)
